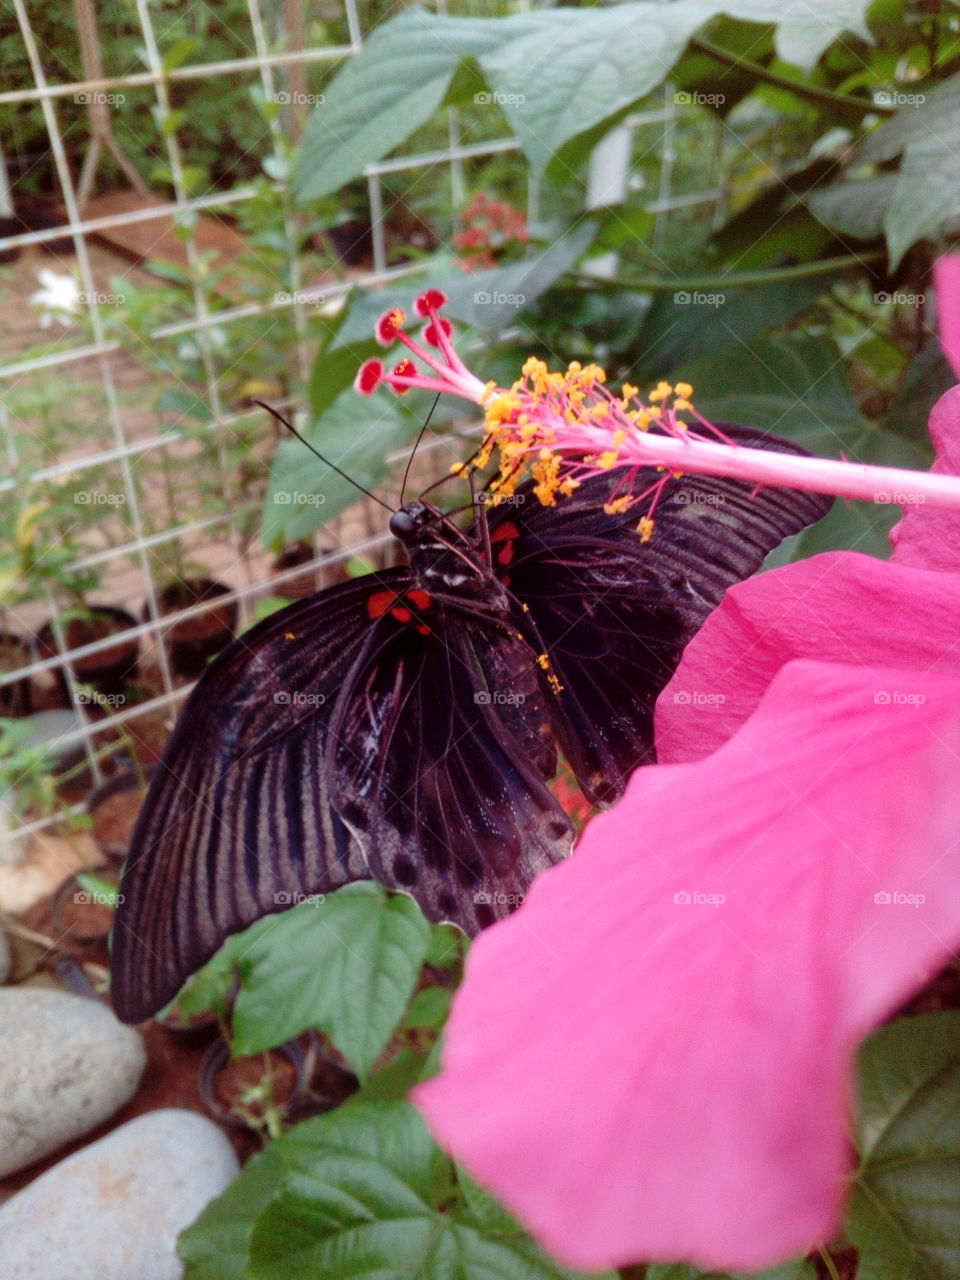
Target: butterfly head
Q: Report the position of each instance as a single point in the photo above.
(411, 520)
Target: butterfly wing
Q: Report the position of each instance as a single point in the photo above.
(615, 612)
(309, 755)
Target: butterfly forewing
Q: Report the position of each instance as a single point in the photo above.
(616, 612)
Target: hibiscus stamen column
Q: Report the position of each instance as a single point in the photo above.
(561, 428)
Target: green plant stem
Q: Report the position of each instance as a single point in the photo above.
(732, 279)
(843, 102)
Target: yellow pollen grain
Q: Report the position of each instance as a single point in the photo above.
(645, 529)
(568, 486)
(543, 661)
(616, 505)
(683, 389)
(609, 458)
(289, 635)
(660, 392)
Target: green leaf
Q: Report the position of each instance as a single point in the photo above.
(348, 964)
(855, 209)
(905, 1215)
(183, 402)
(684, 327)
(557, 75)
(928, 136)
(796, 385)
(357, 434)
(361, 1198)
(428, 1009)
(395, 84)
(217, 1245)
(799, 1269)
(486, 299)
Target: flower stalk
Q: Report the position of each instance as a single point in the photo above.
(562, 427)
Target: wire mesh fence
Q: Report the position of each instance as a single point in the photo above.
(134, 459)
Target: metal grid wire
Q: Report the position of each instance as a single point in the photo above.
(125, 448)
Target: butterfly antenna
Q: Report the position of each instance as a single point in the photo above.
(403, 487)
(332, 465)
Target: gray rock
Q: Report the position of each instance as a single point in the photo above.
(66, 1065)
(6, 959)
(113, 1211)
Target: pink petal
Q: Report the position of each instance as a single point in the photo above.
(638, 1077)
(838, 607)
(946, 282)
(925, 537)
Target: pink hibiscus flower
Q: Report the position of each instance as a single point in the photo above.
(652, 1059)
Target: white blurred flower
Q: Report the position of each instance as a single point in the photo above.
(59, 297)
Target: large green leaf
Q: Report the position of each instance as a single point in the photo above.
(927, 190)
(395, 84)
(799, 1269)
(357, 434)
(905, 1215)
(362, 1198)
(347, 963)
(556, 74)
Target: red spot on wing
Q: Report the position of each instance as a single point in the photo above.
(401, 615)
(505, 554)
(505, 532)
(420, 599)
(424, 631)
(380, 602)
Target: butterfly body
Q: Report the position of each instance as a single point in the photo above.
(404, 726)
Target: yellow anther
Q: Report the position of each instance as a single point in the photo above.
(645, 529)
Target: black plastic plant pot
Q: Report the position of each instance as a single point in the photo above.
(107, 670)
(80, 915)
(194, 641)
(113, 808)
(225, 1083)
(16, 698)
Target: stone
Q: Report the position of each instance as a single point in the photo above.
(114, 1210)
(66, 1065)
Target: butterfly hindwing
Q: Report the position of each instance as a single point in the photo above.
(615, 612)
(345, 701)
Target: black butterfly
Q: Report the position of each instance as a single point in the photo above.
(403, 726)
